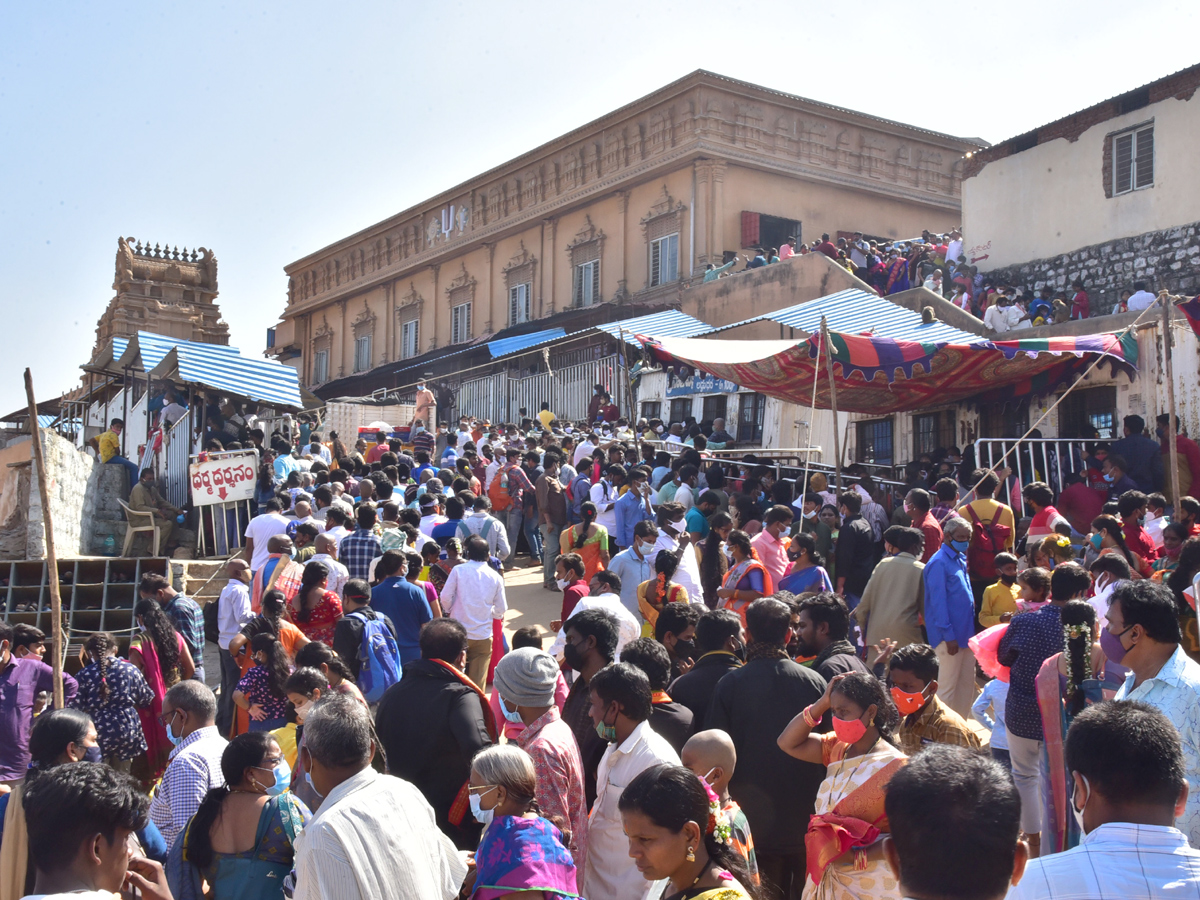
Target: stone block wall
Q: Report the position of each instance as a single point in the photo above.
(1162, 259)
(107, 485)
(72, 504)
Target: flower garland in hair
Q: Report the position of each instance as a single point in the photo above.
(1073, 632)
(662, 587)
(718, 825)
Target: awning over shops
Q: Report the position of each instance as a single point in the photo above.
(884, 375)
(670, 323)
(504, 346)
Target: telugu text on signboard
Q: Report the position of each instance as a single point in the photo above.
(223, 479)
(707, 384)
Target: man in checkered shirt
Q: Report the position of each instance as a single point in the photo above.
(358, 549)
(189, 712)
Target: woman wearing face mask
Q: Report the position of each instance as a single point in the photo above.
(1067, 683)
(1173, 536)
(111, 691)
(261, 691)
(807, 572)
(520, 853)
(59, 737)
(844, 842)
(164, 660)
(658, 591)
(241, 840)
(747, 579)
(713, 561)
(270, 621)
(1108, 537)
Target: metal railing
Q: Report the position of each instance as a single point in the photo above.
(500, 397)
(1037, 459)
(176, 449)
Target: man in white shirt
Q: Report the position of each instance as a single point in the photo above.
(1140, 298)
(584, 449)
(474, 594)
(335, 522)
(671, 537)
(954, 246)
(1126, 764)
(326, 552)
(261, 529)
(487, 526)
(621, 704)
(604, 593)
(605, 494)
(955, 820)
(685, 495)
(189, 712)
(375, 835)
(431, 514)
(859, 250)
(233, 611)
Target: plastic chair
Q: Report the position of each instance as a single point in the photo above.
(131, 517)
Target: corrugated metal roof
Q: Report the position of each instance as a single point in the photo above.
(668, 323)
(860, 312)
(153, 347)
(520, 342)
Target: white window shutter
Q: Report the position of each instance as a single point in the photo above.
(1145, 159)
(1122, 163)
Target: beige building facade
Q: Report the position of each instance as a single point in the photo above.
(626, 210)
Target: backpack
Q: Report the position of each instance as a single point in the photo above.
(212, 631)
(498, 492)
(578, 491)
(986, 541)
(378, 656)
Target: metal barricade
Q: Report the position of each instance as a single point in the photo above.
(1036, 459)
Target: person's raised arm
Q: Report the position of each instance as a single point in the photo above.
(797, 738)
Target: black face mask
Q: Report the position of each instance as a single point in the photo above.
(740, 651)
(573, 657)
(685, 649)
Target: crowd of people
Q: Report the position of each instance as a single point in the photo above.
(938, 262)
(759, 685)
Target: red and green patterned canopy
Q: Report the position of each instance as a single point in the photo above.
(882, 375)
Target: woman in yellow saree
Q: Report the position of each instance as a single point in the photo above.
(844, 841)
(679, 839)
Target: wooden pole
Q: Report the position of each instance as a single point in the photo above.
(837, 441)
(1173, 422)
(637, 435)
(35, 433)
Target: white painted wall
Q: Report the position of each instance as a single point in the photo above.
(1050, 199)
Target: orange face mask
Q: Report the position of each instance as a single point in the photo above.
(907, 703)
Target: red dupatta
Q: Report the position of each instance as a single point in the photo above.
(458, 809)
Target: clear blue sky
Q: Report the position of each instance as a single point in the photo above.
(265, 131)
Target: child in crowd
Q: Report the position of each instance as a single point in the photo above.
(993, 697)
(1035, 589)
(712, 757)
(1000, 599)
(925, 719)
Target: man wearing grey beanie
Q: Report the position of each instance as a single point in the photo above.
(525, 679)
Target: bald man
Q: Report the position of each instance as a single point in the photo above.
(233, 611)
(712, 756)
(327, 548)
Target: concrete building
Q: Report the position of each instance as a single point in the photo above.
(626, 210)
(1107, 195)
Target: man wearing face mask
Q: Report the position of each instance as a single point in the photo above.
(809, 506)
(950, 615)
(924, 718)
(720, 648)
(675, 629)
(603, 593)
(1143, 635)
(1129, 792)
(591, 644)
(20, 682)
(189, 712)
(620, 710)
(672, 536)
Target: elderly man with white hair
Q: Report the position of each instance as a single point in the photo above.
(950, 615)
(375, 835)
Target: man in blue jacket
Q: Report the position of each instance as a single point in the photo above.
(950, 615)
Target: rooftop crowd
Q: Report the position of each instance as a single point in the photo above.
(938, 262)
(757, 685)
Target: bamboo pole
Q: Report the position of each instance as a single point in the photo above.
(35, 433)
(632, 413)
(1173, 422)
(837, 441)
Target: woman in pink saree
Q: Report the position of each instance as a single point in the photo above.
(164, 659)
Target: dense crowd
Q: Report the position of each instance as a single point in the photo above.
(938, 263)
(759, 684)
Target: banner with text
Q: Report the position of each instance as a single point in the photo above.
(223, 479)
(701, 385)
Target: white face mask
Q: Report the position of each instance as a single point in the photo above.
(562, 583)
(1077, 810)
(811, 515)
(646, 547)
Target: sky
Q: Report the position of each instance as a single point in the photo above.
(265, 131)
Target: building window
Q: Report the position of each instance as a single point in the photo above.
(362, 353)
(681, 408)
(933, 431)
(1081, 411)
(1133, 160)
(409, 338)
(652, 410)
(664, 260)
(1004, 420)
(460, 323)
(321, 367)
(875, 442)
(518, 304)
(714, 407)
(587, 283)
(750, 420)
